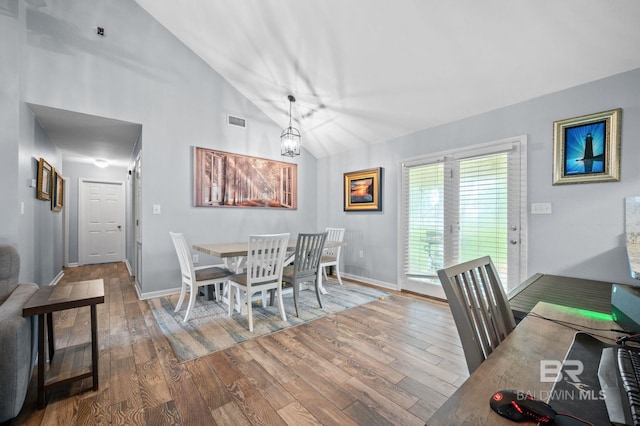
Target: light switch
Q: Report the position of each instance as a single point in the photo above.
(156, 209)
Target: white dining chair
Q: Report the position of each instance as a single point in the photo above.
(265, 259)
(331, 254)
(195, 277)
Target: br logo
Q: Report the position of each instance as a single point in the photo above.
(551, 370)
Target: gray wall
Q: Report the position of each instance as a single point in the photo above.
(140, 73)
(584, 237)
(40, 237)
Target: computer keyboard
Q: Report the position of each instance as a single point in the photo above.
(619, 375)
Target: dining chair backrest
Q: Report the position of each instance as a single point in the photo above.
(307, 255)
(479, 306)
(337, 235)
(265, 257)
(184, 256)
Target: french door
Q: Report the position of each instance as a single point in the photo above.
(461, 205)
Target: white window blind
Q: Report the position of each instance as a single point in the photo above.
(460, 206)
(425, 220)
(483, 211)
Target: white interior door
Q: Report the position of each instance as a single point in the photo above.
(101, 221)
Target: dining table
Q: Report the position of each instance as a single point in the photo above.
(234, 256)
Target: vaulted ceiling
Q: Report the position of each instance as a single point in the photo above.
(366, 71)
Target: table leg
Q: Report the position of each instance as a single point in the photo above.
(41, 361)
(52, 348)
(94, 346)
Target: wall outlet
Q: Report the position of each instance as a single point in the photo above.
(196, 258)
(540, 208)
(156, 209)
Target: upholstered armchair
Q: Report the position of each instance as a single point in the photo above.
(16, 337)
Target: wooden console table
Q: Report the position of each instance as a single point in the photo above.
(47, 300)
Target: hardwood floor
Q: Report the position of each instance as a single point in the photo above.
(393, 361)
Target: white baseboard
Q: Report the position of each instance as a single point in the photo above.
(57, 278)
(73, 265)
(371, 281)
(159, 293)
(126, 262)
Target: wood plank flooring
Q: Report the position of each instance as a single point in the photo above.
(393, 361)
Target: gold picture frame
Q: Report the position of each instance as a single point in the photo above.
(57, 193)
(586, 149)
(44, 180)
(363, 190)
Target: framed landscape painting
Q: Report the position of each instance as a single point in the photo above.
(587, 148)
(223, 179)
(362, 190)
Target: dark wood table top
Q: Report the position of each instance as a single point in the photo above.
(560, 290)
(515, 364)
(64, 296)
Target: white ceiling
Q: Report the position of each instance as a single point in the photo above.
(366, 71)
(82, 138)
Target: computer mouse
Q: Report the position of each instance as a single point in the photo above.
(518, 406)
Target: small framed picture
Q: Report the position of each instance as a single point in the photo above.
(363, 190)
(57, 193)
(44, 180)
(587, 148)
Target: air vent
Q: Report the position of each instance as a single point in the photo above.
(236, 121)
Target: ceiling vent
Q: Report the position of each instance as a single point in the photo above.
(236, 121)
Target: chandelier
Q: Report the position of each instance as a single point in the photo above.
(290, 137)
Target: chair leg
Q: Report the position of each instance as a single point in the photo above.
(232, 302)
(216, 287)
(318, 283)
(296, 289)
(283, 315)
(183, 291)
(249, 312)
(338, 274)
(193, 294)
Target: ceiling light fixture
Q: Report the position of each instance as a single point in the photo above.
(290, 137)
(101, 162)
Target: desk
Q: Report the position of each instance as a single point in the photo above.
(515, 364)
(49, 299)
(567, 291)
